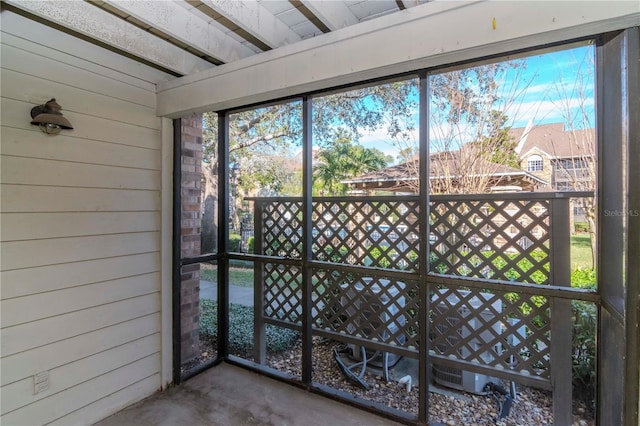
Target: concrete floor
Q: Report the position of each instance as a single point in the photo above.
(229, 395)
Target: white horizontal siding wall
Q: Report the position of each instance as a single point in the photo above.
(81, 218)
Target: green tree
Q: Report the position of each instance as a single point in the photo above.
(498, 145)
(468, 127)
(259, 136)
(341, 160)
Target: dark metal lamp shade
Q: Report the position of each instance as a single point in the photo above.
(49, 117)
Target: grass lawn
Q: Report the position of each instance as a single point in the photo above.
(242, 277)
(581, 251)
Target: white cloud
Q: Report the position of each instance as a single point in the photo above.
(381, 141)
(547, 110)
(378, 135)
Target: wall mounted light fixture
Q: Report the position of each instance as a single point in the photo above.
(49, 118)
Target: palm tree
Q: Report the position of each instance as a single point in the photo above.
(344, 159)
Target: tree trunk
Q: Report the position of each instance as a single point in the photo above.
(592, 235)
(589, 207)
(209, 235)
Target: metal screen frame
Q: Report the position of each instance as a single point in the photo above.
(618, 119)
(428, 279)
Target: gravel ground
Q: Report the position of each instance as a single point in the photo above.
(532, 408)
(208, 352)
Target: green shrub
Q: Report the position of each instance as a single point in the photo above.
(329, 254)
(584, 321)
(235, 242)
(584, 352)
(281, 246)
(436, 264)
(581, 226)
(250, 244)
(499, 262)
(583, 278)
(381, 257)
(241, 329)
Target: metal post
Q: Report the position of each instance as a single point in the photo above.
(561, 330)
(632, 386)
(618, 241)
(423, 259)
(223, 235)
(177, 218)
(259, 326)
(610, 240)
(307, 253)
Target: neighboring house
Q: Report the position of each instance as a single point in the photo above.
(448, 173)
(550, 158)
(564, 158)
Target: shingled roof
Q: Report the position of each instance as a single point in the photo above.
(443, 165)
(550, 139)
(553, 140)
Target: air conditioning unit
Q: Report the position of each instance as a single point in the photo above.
(455, 321)
(373, 314)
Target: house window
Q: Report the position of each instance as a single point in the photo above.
(534, 163)
(572, 163)
(565, 186)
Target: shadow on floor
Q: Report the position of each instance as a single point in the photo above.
(229, 395)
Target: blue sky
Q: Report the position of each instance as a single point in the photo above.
(556, 79)
(552, 87)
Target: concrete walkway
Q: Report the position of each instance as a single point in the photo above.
(229, 395)
(238, 295)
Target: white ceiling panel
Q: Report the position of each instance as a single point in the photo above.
(176, 22)
(306, 29)
(292, 17)
(365, 10)
(251, 20)
(276, 6)
(185, 36)
(333, 14)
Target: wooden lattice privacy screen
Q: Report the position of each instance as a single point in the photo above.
(505, 332)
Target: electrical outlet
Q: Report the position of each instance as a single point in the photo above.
(40, 382)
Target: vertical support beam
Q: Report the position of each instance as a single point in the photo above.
(423, 261)
(611, 164)
(561, 332)
(177, 217)
(167, 263)
(560, 241)
(618, 245)
(223, 235)
(632, 387)
(259, 326)
(307, 229)
(610, 239)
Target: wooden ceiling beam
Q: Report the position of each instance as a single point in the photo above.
(257, 24)
(175, 22)
(93, 23)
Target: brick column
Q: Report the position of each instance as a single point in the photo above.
(190, 234)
